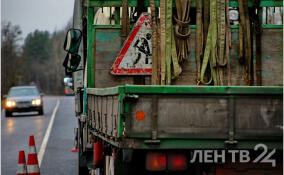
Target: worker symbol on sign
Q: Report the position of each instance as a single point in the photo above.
(135, 57)
(143, 48)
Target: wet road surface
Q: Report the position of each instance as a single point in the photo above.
(57, 157)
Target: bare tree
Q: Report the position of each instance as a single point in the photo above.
(11, 70)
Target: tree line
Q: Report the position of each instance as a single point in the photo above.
(38, 61)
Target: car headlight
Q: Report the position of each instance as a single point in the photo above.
(36, 102)
(10, 103)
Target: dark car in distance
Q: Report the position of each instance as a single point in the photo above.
(23, 99)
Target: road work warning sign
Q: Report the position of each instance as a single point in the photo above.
(135, 57)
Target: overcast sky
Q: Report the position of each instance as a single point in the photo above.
(30, 15)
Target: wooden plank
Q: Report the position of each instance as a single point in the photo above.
(109, 115)
(107, 48)
(115, 116)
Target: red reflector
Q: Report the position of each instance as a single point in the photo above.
(140, 115)
(66, 91)
(156, 161)
(177, 162)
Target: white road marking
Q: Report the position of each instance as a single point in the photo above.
(47, 134)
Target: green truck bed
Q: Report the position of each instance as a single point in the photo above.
(186, 117)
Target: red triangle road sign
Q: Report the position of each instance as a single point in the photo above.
(135, 57)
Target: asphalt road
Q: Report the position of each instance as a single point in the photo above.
(57, 158)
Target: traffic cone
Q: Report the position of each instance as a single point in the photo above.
(33, 168)
(74, 150)
(22, 167)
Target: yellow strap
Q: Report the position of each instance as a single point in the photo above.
(228, 43)
(221, 31)
(182, 28)
(163, 40)
(199, 38)
(155, 79)
(168, 40)
(210, 52)
(174, 58)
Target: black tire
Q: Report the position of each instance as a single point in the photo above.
(125, 168)
(82, 169)
(40, 112)
(82, 160)
(8, 113)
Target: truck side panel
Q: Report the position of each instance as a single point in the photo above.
(208, 116)
(103, 114)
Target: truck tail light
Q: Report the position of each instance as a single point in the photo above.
(156, 161)
(66, 91)
(177, 162)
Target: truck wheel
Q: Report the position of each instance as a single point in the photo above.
(83, 170)
(82, 161)
(124, 168)
(8, 113)
(82, 167)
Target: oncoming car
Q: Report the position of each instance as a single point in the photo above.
(23, 99)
